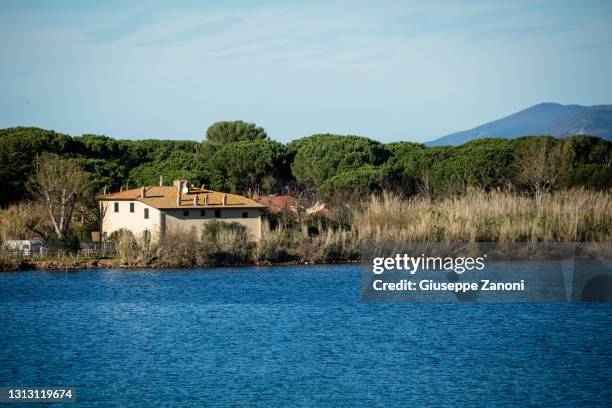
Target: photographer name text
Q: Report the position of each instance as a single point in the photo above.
(454, 265)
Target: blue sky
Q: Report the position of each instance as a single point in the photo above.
(389, 70)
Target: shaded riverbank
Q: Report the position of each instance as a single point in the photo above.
(60, 264)
(189, 260)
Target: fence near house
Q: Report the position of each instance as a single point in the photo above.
(88, 249)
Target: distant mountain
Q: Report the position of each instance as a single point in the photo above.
(543, 119)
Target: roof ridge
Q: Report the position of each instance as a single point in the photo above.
(165, 197)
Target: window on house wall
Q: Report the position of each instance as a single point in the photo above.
(202, 213)
(146, 213)
(116, 207)
(245, 214)
(217, 213)
(131, 207)
(186, 213)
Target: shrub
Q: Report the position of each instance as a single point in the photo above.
(23, 220)
(179, 249)
(226, 242)
(275, 246)
(328, 246)
(68, 243)
(591, 176)
(9, 263)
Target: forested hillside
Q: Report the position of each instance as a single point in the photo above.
(236, 156)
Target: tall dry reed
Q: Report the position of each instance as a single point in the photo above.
(479, 216)
(328, 245)
(390, 224)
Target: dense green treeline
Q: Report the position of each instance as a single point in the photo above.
(237, 156)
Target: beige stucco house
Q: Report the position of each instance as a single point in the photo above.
(157, 209)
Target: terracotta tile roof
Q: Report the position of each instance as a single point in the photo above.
(279, 204)
(165, 197)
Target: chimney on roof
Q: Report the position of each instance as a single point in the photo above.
(224, 199)
(120, 188)
(195, 200)
(179, 187)
(250, 193)
(104, 190)
(143, 192)
(161, 181)
(206, 200)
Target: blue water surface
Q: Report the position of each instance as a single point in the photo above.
(291, 336)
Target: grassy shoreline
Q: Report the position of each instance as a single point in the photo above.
(381, 225)
(116, 263)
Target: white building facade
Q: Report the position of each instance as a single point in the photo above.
(158, 209)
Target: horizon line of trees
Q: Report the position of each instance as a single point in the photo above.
(57, 176)
(238, 156)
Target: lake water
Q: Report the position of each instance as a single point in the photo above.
(291, 336)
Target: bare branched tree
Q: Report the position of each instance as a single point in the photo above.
(425, 185)
(540, 167)
(58, 184)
